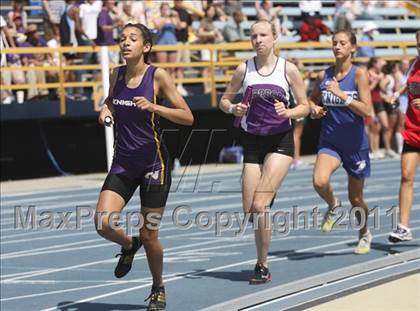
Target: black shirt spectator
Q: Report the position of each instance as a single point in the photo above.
(186, 21)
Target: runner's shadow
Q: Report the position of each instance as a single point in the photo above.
(234, 276)
(294, 255)
(95, 306)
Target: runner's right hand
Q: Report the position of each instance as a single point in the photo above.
(239, 110)
(105, 114)
(317, 112)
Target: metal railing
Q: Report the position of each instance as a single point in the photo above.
(223, 61)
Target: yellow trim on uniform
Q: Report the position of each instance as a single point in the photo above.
(155, 135)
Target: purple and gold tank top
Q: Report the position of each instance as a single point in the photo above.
(138, 131)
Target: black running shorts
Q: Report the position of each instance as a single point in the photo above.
(151, 195)
(409, 148)
(257, 147)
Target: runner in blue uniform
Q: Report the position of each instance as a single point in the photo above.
(343, 91)
(266, 129)
(140, 158)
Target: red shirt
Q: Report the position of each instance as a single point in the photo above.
(411, 132)
(312, 32)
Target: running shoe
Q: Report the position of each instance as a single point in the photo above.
(126, 258)
(400, 234)
(261, 275)
(157, 299)
(391, 154)
(363, 246)
(329, 218)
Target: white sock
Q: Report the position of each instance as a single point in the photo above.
(400, 141)
(404, 227)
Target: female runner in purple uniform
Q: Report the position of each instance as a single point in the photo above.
(141, 158)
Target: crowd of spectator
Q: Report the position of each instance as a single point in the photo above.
(97, 23)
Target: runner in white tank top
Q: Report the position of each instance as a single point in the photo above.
(267, 134)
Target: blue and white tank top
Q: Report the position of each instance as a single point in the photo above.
(341, 127)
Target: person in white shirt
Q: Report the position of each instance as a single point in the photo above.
(89, 12)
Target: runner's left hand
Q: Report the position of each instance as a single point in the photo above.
(143, 104)
(281, 109)
(334, 88)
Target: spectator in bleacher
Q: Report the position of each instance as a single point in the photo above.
(72, 34)
(312, 28)
(183, 56)
(379, 115)
(401, 79)
(33, 39)
(232, 6)
(17, 24)
(389, 85)
(219, 8)
(266, 11)
(17, 10)
(234, 29)
(166, 25)
(105, 30)
(131, 12)
(367, 10)
(89, 12)
(344, 15)
(208, 33)
(369, 31)
(52, 15)
(16, 76)
(6, 40)
(310, 6)
(151, 12)
(195, 7)
(298, 124)
(53, 41)
(402, 75)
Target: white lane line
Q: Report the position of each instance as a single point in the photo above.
(61, 247)
(50, 237)
(104, 261)
(203, 186)
(168, 211)
(128, 208)
(169, 253)
(23, 273)
(189, 273)
(376, 166)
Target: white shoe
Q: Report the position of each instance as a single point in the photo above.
(181, 90)
(391, 154)
(298, 164)
(363, 246)
(379, 154)
(400, 234)
(7, 101)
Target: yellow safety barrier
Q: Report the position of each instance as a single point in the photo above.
(224, 61)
